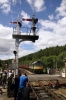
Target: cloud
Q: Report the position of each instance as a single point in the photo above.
(5, 32)
(3, 1)
(37, 5)
(6, 48)
(51, 33)
(61, 27)
(14, 1)
(7, 44)
(5, 5)
(61, 11)
(26, 16)
(51, 17)
(24, 52)
(62, 22)
(47, 24)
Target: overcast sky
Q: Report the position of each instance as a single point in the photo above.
(51, 16)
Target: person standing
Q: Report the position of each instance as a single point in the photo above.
(22, 85)
(9, 74)
(4, 77)
(16, 86)
(1, 76)
(57, 85)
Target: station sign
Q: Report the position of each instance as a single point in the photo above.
(14, 64)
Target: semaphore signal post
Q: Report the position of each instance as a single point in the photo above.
(20, 38)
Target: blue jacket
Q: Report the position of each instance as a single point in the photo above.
(23, 81)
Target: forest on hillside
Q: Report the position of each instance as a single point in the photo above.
(52, 57)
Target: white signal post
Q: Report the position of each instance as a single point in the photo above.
(20, 38)
(33, 24)
(17, 44)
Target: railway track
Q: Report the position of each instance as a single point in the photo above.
(42, 92)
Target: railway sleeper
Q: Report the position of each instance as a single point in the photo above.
(41, 95)
(43, 92)
(56, 96)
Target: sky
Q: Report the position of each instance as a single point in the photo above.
(51, 25)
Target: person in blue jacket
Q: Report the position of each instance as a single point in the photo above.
(22, 85)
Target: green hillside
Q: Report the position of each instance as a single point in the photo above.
(51, 57)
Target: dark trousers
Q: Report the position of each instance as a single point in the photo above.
(20, 94)
(15, 93)
(3, 83)
(26, 93)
